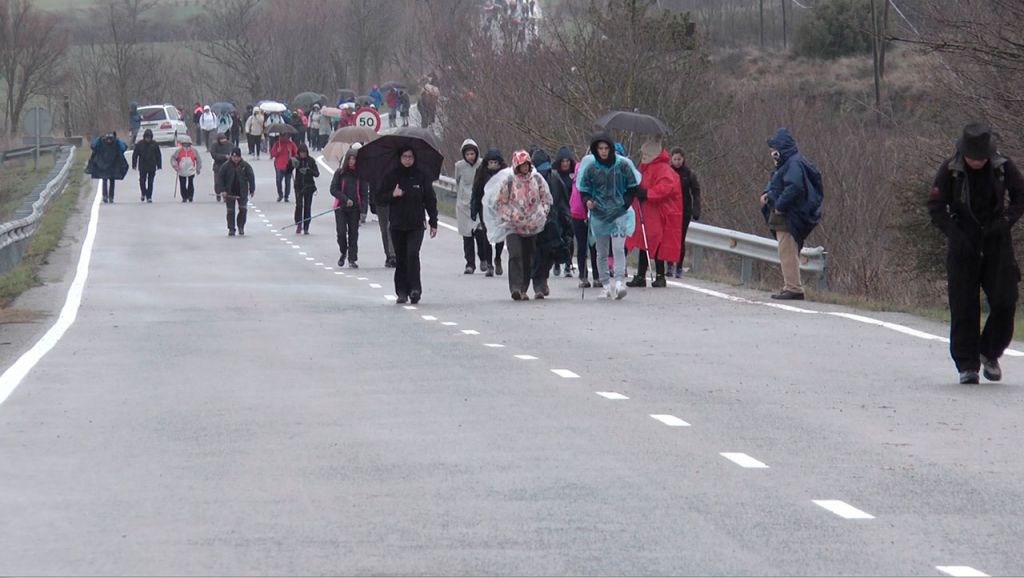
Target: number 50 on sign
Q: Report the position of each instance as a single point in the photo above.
(368, 118)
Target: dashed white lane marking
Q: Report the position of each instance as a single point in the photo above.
(611, 395)
(669, 420)
(11, 378)
(470, 332)
(326, 268)
(362, 278)
(526, 357)
(851, 316)
(303, 253)
(449, 324)
(429, 318)
(310, 259)
(960, 571)
(447, 226)
(319, 264)
(844, 510)
(277, 234)
(743, 460)
(391, 297)
(565, 373)
(375, 285)
(493, 345)
(339, 272)
(411, 307)
(269, 225)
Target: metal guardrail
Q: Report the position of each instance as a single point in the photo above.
(14, 234)
(27, 152)
(748, 247)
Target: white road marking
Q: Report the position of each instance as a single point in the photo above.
(449, 324)
(328, 268)
(960, 571)
(743, 460)
(269, 225)
(610, 395)
(339, 273)
(670, 420)
(470, 332)
(564, 373)
(851, 316)
(429, 318)
(411, 307)
(310, 259)
(391, 297)
(319, 264)
(362, 278)
(303, 253)
(494, 345)
(68, 313)
(447, 226)
(526, 357)
(277, 234)
(375, 285)
(844, 510)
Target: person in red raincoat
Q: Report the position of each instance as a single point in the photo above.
(661, 215)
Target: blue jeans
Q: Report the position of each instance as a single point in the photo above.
(285, 176)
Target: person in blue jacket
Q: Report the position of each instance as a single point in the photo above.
(378, 98)
(792, 207)
(108, 163)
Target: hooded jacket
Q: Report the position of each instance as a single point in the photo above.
(480, 181)
(795, 188)
(306, 172)
(107, 160)
(254, 124)
(522, 203)
(186, 162)
(134, 118)
(231, 173)
(406, 212)
(347, 186)
(208, 120)
(611, 184)
(561, 183)
(221, 153)
(662, 211)
(146, 157)
(465, 175)
(282, 152)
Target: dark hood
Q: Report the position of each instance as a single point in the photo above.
(541, 160)
(494, 155)
(604, 137)
(563, 154)
(783, 142)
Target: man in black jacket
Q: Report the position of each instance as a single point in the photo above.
(968, 204)
(691, 202)
(236, 182)
(306, 172)
(220, 151)
(147, 158)
(408, 193)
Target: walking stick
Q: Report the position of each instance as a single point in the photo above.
(177, 181)
(304, 220)
(643, 229)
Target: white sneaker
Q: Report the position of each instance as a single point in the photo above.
(620, 289)
(609, 290)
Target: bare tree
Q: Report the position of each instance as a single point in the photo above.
(129, 59)
(32, 46)
(232, 35)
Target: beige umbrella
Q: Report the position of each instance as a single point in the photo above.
(343, 138)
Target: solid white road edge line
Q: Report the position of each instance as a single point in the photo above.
(960, 571)
(851, 316)
(844, 510)
(743, 460)
(17, 372)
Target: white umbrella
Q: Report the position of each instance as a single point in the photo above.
(271, 106)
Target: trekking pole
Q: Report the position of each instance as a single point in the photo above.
(296, 224)
(177, 181)
(643, 229)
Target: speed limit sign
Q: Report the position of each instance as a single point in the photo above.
(369, 118)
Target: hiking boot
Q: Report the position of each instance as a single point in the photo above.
(469, 270)
(341, 261)
(598, 284)
(353, 265)
(558, 270)
(620, 290)
(670, 270)
(305, 231)
(143, 199)
(149, 200)
(231, 232)
(489, 272)
(609, 291)
(517, 296)
(414, 297)
(241, 231)
(298, 230)
(568, 272)
(969, 377)
(279, 197)
(659, 281)
(401, 299)
(497, 267)
(990, 369)
(637, 281)
(788, 296)
(584, 284)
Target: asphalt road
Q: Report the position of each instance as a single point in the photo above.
(242, 406)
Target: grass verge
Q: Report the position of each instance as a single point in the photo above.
(17, 179)
(46, 238)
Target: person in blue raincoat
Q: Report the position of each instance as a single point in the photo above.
(378, 98)
(107, 162)
(608, 183)
(792, 207)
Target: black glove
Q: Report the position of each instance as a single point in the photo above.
(641, 194)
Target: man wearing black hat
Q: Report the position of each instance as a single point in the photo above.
(235, 182)
(968, 204)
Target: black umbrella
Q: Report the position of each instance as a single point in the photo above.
(306, 100)
(392, 84)
(633, 122)
(380, 157)
(346, 94)
(281, 128)
(222, 108)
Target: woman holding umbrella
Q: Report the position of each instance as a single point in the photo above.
(408, 193)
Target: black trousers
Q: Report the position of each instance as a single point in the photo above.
(542, 263)
(644, 263)
(346, 223)
(286, 178)
(407, 255)
(581, 232)
(686, 227)
(188, 188)
(146, 183)
(483, 248)
(108, 189)
(303, 207)
(520, 261)
(254, 144)
(242, 211)
(995, 272)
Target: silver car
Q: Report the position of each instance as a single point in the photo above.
(164, 121)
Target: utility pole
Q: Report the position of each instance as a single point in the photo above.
(874, 50)
(885, 34)
(762, 23)
(783, 3)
